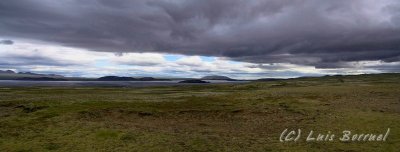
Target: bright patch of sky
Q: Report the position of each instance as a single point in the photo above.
(172, 57)
(101, 63)
(208, 58)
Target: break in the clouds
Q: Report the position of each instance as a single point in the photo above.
(339, 34)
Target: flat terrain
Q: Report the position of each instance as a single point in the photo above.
(215, 117)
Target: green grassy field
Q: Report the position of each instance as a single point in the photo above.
(223, 117)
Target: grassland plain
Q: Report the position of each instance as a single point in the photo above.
(220, 117)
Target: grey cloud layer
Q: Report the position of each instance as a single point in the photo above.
(309, 32)
(6, 42)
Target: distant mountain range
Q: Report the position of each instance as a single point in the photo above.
(7, 72)
(117, 78)
(41, 79)
(11, 75)
(29, 76)
(217, 77)
(193, 81)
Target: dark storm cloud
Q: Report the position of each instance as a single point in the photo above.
(309, 32)
(6, 42)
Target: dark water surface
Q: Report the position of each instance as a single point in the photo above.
(18, 83)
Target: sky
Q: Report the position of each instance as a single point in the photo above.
(244, 39)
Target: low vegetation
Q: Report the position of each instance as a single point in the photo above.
(213, 117)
